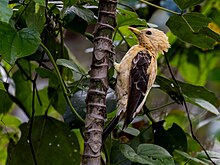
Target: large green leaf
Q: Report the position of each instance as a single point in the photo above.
(147, 154)
(83, 13)
(6, 102)
(192, 28)
(53, 143)
(199, 92)
(34, 18)
(125, 17)
(5, 12)
(53, 92)
(203, 104)
(183, 4)
(189, 157)
(215, 156)
(173, 138)
(197, 95)
(170, 88)
(77, 71)
(196, 20)
(214, 74)
(23, 91)
(16, 44)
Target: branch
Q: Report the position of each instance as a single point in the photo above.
(159, 7)
(96, 97)
(62, 84)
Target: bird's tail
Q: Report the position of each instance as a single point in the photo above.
(109, 128)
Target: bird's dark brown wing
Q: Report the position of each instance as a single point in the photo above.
(138, 84)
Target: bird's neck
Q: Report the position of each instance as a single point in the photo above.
(152, 51)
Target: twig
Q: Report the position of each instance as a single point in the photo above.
(163, 106)
(147, 112)
(159, 7)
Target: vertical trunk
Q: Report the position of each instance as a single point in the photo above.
(96, 98)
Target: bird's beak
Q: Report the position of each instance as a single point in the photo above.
(134, 30)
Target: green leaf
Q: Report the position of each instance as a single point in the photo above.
(116, 155)
(123, 33)
(197, 95)
(17, 44)
(10, 121)
(203, 104)
(215, 156)
(125, 17)
(147, 154)
(183, 4)
(77, 71)
(45, 73)
(26, 42)
(70, 64)
(35, 18)
(52, 140)
(2, 87)
(5, 12)
(59, 102)
(23, 90)
(6, 104)
(214, 74)
(190, 28)
(178, 117)
(132, 131)
(78, 101)
(40, 2)
(155, 152)
(199, 92)
(3, 149)
(169, 87)
(83, 13)
(173, 138)
(196, 20)
(75, 24)
(189, 157)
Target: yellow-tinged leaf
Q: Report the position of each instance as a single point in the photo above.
(214, 27)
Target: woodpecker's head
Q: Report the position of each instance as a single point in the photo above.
(152, 39)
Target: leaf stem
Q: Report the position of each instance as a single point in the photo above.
(159, 7)
(62, 83)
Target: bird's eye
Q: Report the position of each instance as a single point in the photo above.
(148, 32)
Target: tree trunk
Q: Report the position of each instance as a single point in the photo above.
(96, 98)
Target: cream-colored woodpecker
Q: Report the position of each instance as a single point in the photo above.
(136, 74)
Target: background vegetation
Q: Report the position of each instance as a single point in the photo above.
(43, 84)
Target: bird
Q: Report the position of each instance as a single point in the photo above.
(136, 74)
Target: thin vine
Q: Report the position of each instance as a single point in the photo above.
(65, 91)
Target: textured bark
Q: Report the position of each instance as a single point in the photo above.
(96, 98)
